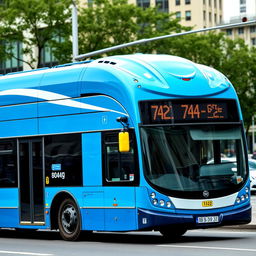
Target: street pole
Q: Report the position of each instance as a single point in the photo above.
(74, 31)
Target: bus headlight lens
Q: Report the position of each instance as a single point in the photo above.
(161, 202)
(168, 204)
(238, 200)
(242, 198)
(155, 202)
(153, 195)
(246, 189)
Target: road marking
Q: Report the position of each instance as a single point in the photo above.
(206, 247)
(26, 253)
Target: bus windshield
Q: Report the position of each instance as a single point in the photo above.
(185, 161)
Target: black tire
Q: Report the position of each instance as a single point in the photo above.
(69, 220)
(172, 233)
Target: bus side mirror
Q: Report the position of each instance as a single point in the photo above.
(124, 142)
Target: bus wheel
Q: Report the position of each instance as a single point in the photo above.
(172, 232)
(69, 220)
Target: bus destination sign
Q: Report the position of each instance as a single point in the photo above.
(184, 111)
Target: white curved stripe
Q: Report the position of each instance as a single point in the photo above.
(55, 98)
(183, 76)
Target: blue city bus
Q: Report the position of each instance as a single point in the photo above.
(122, 143)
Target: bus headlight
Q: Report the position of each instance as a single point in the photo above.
(168, 204)
(153, 195)
(155, 201)
(161, 202)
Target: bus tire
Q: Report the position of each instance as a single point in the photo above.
(172, 233)
(69, 220)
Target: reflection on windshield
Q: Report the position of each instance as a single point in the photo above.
(183, 158)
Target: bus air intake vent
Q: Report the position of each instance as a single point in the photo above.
(107, 62)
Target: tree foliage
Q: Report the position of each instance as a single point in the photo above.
(108, 23)
(34, 23)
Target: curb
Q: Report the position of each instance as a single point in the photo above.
(246, 226)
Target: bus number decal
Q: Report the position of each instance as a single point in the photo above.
(58, 175)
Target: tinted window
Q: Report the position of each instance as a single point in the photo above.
(8, 163)
(120, 168)
(63, 160)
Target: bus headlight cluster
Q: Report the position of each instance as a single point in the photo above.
(161, 202)
(242, 198)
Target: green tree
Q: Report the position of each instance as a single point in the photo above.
(36, 24)
(108, 23)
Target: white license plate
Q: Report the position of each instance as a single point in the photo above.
(208, 219)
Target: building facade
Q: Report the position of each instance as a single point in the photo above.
(237, 11)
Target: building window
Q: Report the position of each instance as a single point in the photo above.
(253, 29)
(63, 160)
(215, 3)
(8, 163)
(163, 5)
(143, 3)
(178, 15)
(242, 1)
(229, 32)
(210, 2)
(210, 16)
(14, 63)
(240, 31)
(204, 15)
(47, 56)
(253, 40)
(188, 15)
(187, 2)
(119, 168)
(204, 2)
(242, 9)
(177, 2)
(220, 4)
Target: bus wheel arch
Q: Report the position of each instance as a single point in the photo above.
(61, 202)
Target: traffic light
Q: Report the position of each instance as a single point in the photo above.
(244, 19)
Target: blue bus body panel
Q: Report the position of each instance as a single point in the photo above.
(92, 160)
(26, 127)
(9, 211)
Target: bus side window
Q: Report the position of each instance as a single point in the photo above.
(8, 163)
(119, 168)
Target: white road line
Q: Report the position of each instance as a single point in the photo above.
(206, 247)
(26, 253)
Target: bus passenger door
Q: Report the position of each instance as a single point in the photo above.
(120, 177)
(31, 185)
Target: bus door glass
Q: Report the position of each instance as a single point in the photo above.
(31, 182)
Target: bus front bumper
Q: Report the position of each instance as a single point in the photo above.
(152, 220)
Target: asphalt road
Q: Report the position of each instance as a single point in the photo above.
(193, 243)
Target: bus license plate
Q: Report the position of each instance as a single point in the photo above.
(208, 219)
